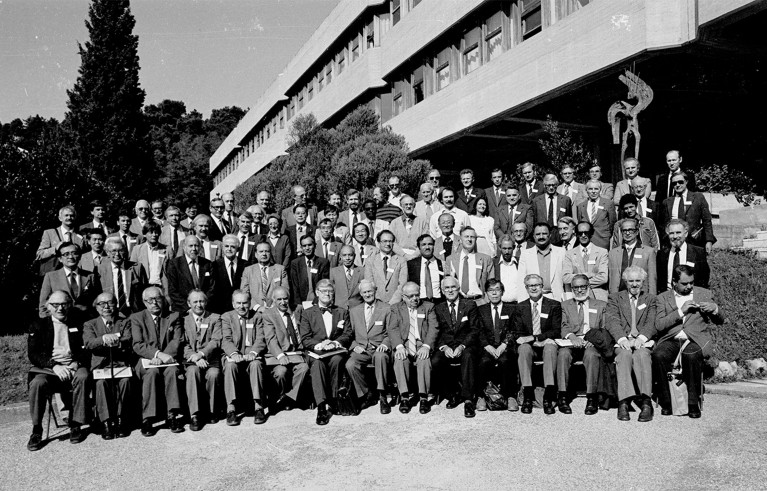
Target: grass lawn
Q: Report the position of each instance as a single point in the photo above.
(13, 369)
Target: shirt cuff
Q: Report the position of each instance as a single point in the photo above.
(156, 353)
(624, 338)
(281, 355)
(399, 346)
(443, 348)
(426, 346)
(642, 338)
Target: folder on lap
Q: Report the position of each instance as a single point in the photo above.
(106, 373)
(145, 362)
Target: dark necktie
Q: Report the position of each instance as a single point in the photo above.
(193, 270)
(354, 220)
(680, 211)
(465, 275)
(448, 243)
(626, 261)
(125, 241)
(551, 211)
(310, 296)
(348, 278)
(175, 239)
(325, 249)
(676, 258)
(231, 272)
(517, 254)
(73, 285)
(453, 313)
(291, 331)
(385, 265)
(497, 325)
(120, 289)
(243, 245)
(427, 280)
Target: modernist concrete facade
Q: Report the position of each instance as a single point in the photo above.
(468, 82)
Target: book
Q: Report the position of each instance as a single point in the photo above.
(563, 343)
(106, 373)
(145, 362)
(293, 357)
(318, 355)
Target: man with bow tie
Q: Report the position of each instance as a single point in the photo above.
(82, 285)
(46, 252)
(586, 259)
(187, 272)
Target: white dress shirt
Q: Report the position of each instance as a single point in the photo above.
(435, 273)
(473, 286)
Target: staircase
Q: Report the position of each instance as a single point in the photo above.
(759, 244)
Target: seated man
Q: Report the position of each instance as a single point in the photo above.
(58, 365)
(456, 342)
(412, 333)
(82, 286)
(108, 338)
(281, 336)
(325, 327)
(685, 316)
(580, 315)
(202, 358)
(538, 322)
(587, 259)
(495, 338)
(157, 337)
(370, 321)
(243, 344)
(631, 322)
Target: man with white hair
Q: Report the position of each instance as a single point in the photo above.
(427, 204)
(142, 216)
(550, 206)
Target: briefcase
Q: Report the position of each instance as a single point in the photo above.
(347, 406)
(676, 386)
(495, 401)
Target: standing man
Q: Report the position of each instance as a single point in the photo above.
(305, 273)
(91, 260)
(363, 246)
(55, 236)
(158, 208)
(570, 188)
(346, 278)
(648, 234)
(299, 198)
(433, 178)
(395, 191)
(219, 227)
(646, 208)
(129, 238)
(173, 233)
(681, 252)
(550, 206)
(595, 174)
(566, 227)
(245, 237)
(262, 278)
(152, 255)
(546, 261)
(531, 187)
(468, 196)
(631, 254)
(385, 210)
(624, 186)
(265, 201)
(460, 217)
(426, 271)
(82, 285)
(587, 260)
(210, 249)
(282, 248)
(353, 213)
(98, 219)
(329, 246)
(189, 213)
(427, 204)
(228, 271)
(693, 208)
(230, 215)
(124, 279)
(300, 228)
(387, 270)
(188, 272)
(447, 241)
(472, 269)
(600, 213)
(142, 216)
(506, 268)
(663, 186)
(496, 194)
(408, 228)
(512, 213)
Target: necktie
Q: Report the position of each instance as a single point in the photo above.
(109, 325)
(125, 241)
(497, 196)
(567, 190)
(120, 290)
(310, 296)
(427, 280)
(517, 254)
(244, 329)
(453, 313)
(175, 239)
(639, 209)
(243, 246)
(412, 335)
(325, 249)
(592, 210)
(634, 331)
(567, 245)
(348, 278)
(448, 243)
(96, 261)
(551, 211)
(465, 275)
(368, 315)
(676, 258)
(530, 191)
(73, 285)
(581, 318)
(385, 265)
(680, 212)
(497, 325)
(585, 258)
(224, 227)
(536, 320)
(291, 331)
(156, 321)
(193, 270)
(231, 273)
(264, 281)
(354, 220)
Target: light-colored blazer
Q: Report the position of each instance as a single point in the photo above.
(577, 193)
(210, 337)
(483, 272)
(372, 335)
(570, 322)
(166, 238)
(644, 257)
(276, 276)
(439, 246)
(595, 268)
(140, 254)
(528, 264)
(57, 280)
(623, 187)
(276, 334)
(405, 239)
(389, 285)
(86, 261)
(51, 240)
(603, 223)
(347, 296)
(648, 234)
(367, 251)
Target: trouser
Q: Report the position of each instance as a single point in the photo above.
(527, 353)
(402, 371)
(639, 362)
(663, 357)
(203, 400)
(154, 381)
(356, 364)
(73, 393)
(326, 374)
(591, 362)
(440, 364)
(232, 382)
(505, 366)
(112, 397)
(290, 378)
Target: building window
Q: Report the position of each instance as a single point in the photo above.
(494, 36)
(398, 97)
(300, 100)
(418, 88)
(395, 12)
(472, 59)
(532, 18)
(321, 80)
(341, 61)
(355, 47)
(414, 4)
(370, 35)
(292, 107)
(443, 69)
(310, 91)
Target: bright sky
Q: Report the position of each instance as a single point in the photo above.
(206, 53)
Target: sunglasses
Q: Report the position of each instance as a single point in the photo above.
(676, 183)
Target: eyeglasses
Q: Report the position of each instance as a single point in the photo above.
(628, 230)
(58, 305)
(434, 178)
(143, 208)
(450, 288)
(582, 232)
(106, 304)
(393, 186)
(218, 207)
(534, 285)
(581, 288)
(326, 292)
(70, 254)
(677, 183)
(153, 300)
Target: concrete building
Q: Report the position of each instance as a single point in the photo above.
(469, 82)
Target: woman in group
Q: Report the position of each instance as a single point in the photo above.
(483, 224)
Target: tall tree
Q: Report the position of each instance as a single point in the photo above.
(107, 135)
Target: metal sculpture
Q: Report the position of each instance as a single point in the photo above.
(643, 94)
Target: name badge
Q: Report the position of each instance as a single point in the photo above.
(313, 270)
(574, 191)
(331, 253)
(544, 316)
(420, 316)
(442, 252)
(637, 256)
(688, 203)
(378, 323)
(600, 207)
(465, 319)
(478, 266)
(72, 329)
(132, 240)
(504, 317)
(690, 264)
(389, 270)
(203, 326)
(251, 243)
(501, 192)
(471, 196)
(517, 212)
(592, 311)
(564, 210)
(248, 325)
(340, 324)
(161, 253)
(642, 307)
(207, 273)
(214, 246)
(648, 211)
(276, 280)
(592, 261)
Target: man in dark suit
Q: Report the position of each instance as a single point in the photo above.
(219, 226)
(346, 278)
(282, 247)
(305, 272)
(646, 208)
(692, 208)
(499, 358)
(259, 226)
(98, 216)
(157, 340)
(647, 231)
(299, 229)
(496, 194)
(58, 365)
(228, 271)
(82, 286)
(681, 252)
(664, 187)
(447, 241)
(108, 339)
(426, 271)
(631, 322)
(202, 360)
(512, 212)
(328, 245)
(247, 240)
(550, 206)
(600, 213)
(187, 272)
(325, 327)
(607, 191)
(123, 278)
(532, 187)
(467, 197)
(129, 238)
(456, 342)
(685, 317)
(537, 322)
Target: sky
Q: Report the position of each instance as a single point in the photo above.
(207, 53)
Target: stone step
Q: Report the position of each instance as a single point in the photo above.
(754, 243)
(762, 235)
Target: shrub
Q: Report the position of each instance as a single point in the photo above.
(722, 179)
(13, 369)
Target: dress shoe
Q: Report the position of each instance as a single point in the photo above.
(214, 418)
(35, 442)
(453, 402)
(176, 425)
(646, 412)
(481, 404)
(108, 433)
(288, 404)
(404, 405)
(195, 424)
(76, 434)
(693, 411)
(260, 417)
(395, 398)
(323, 415)
(548, 406)
(666, 411)
(468, 409)
(564, 406)
(369, 401)
(332, 407)
(231, 419)
(147, 428)
(623, 411)
(424, 406)
(384, 405)
(512, 404)
(605, 402)
(122, 430)
(591, 406)
(527, 406)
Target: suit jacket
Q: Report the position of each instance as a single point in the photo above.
(86, 261)
(180, 281)
(623, 188)
(85, 227)
(166, 237)
(505, 222)
(414, 270)
(696, 323)
(467, 204)
(216, 250)
(276, 334)
(40, 341)
(288, 220)
(406, 239)
(577, 193)
(368, 250)
(551, 324)
(618, 314)
(134, 240)
(485, 270)
(334, 251)
(208, 341)
(347, 293)
(644, 257)
(344, 217)
(696, 257)
(282, 250)
(51, 240)
(596, 268)
(140, 255)
(252, 240)
(399, 325)
(149, 338)
(540, 212)
(214, 231)
(439, 247)
(528, 264)
(235, 336)
(465, 331)
(696, 214)
(250, 282)
(648, 234)
(222, 293)
(312, 329)
(662, 185)
(493, 204)
(137, 228)
(495, 335)
(298, 277)
(93, 341)
(389, 283)
(607, 191)
(426, 211)
(571, 323)
(134, 287)
(88, 290)
(537, 191)
(293, 237)
(604, 221)
(374, 334)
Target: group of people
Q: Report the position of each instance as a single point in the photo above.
(263, 310)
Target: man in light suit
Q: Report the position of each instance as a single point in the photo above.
(472, 269)
(123, 278)
(353, 213)
(550, 206)
(588, 260)
(607, 190)
(370, 321)
(362, 244)
(325, 327)
(681, 252)
(511, 213)
(407, 229)
(55, 236)
(152, 255)
(282, 248)
(158, 338)
(82, 285)
(142, 216)
(346, 278)
(631, 254)
(187, 272)
(190, 212)
(631, 317)
(91, 259)
(460, 217)
(646, 207)
(600, 213)
(532, 187)
(570, 188)
(228, 271)
(209, 249)
(157, 208)
(685, 317)
(624, 186)
(648, 234)
(173, 233)
(305, 272)
(496, 194)
(243, 345)
(202, 358)
(328, 245)
(447, 241)
(387, 270)
(261, 279)
(692, 208)
(427, 204)
(426, 271)
(281, 336)
(551, 257)
(580, 314)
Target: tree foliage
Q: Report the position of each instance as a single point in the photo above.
(561, 147)
(723, 179)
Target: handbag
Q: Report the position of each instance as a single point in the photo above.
(677, 387)
(495, 401)
(347, 406)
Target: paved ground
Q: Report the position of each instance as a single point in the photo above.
(442, 450)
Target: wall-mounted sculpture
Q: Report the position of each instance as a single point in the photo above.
(642, 94)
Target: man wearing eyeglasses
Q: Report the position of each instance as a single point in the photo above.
(82, 285)
(646, 208)
(647, 235)
(158, 212)
(588, 260)
(123, 278)
(142, 216)
(599, 212)
(663, 185)
(407, 229)
(607, 190)
(631, 254)
(299, 198)
(219, 227)
(433, 179)
(693, 208)
(570, 187)
(427, 204)
(550, 206)
(395, 191)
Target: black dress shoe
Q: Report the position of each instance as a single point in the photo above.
(195, 424)
(76, 434)
(384, 405)
(260, 417)
(323, 415)
(646, 413)
(453, 403)
(623, 411)
(35, 442)
(214, 418)
(108, 432)
(147, 428)
(605, 403)
(664, 411)
(395, 398)
(693, 411)
(176, 425)
(231, 419)
(404, 405)
(424, 406)
(468, 409)
(548, 407)
(332, 406)
(591, 406)
(122, 430)
(368, 401)
(564, 407)
(527, 406)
